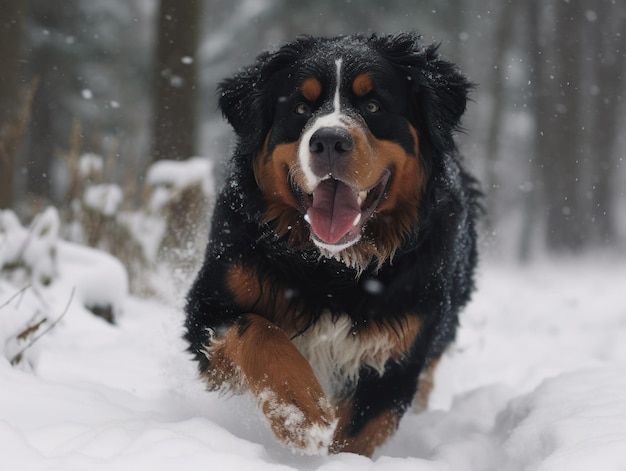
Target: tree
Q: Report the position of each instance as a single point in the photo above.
(10, 40)
(503, 38)
(536, 102)
(606, 25)
(175, 80)
(577, 72)
(50, 61)
(559, 127)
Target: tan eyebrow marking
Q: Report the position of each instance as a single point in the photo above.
(362, 84)
(311, 89)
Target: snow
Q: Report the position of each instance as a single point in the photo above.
(90, 164)
(32, 249)
(99, 279)
(36, 256)
(536, 381)
(181, 173)
(103, 198)
(313, 439)
(166, 177)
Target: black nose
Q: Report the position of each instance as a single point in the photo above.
(329, 146)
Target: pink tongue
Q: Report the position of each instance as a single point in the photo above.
(334, 209)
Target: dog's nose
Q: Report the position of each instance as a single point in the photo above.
(329, 147)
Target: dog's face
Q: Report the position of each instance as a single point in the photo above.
(338, 131)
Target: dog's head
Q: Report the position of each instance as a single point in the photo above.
(342, 135)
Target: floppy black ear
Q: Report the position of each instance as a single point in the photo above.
(240, 100)
(440, 97)
(439, 90)
(246, 99)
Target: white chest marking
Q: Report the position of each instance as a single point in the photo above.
(337, 354)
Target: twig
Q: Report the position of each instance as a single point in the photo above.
(31, 330)
(20, 292)
(17, 358)
(76, 186)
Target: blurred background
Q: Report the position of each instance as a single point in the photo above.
(133, 81)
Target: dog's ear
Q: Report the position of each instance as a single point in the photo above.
(240, 100)
(440, 97)
(439, 90)
(246, 99)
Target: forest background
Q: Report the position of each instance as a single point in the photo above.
(134, 81)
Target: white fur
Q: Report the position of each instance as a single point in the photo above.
(336, 352)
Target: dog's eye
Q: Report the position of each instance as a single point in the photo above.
(372, 107)
(301, 109)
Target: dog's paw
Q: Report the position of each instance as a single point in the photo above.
(305, 423)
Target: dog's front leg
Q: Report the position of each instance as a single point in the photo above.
(256, 354)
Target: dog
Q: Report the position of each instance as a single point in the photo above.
(343, 243)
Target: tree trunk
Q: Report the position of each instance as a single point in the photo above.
(504, 34)
(530, 218)
(10, 40)
(175, 79)
(608, 66)
(562, 167)
(51, 64)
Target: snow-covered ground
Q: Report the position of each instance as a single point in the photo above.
(536, 381)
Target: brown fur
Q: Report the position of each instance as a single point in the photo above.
(362, 85)
(401, 335)
(311, 89)
(426, 385)
(264, 297)
(374, 434)
(283, 210)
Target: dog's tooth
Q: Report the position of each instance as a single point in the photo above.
(361, 198)
(356, 219)
(307, 219)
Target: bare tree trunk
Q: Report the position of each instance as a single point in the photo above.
(541, 20)
(609, 67)
(503, 38)
(530, 218)
(52, 65)
(175, 77)
(10, 40)
(562, 167)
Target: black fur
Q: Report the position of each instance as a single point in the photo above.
(431, 274)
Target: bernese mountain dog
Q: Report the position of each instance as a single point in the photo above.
(343, 242)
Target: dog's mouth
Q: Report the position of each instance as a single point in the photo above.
(337, 212)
